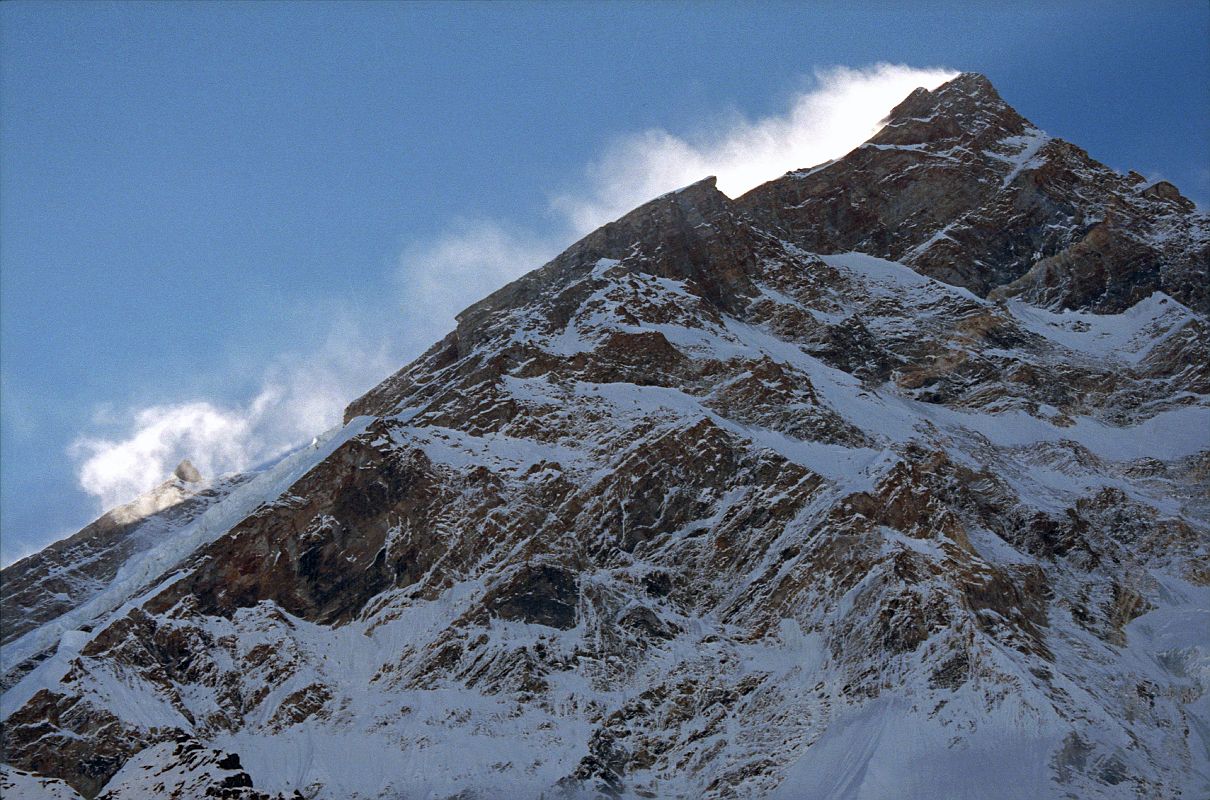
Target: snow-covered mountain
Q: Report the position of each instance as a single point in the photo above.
(890, 478)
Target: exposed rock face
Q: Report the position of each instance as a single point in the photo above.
(712, 506)
(185, 471)
(960, 187)
(184, 770)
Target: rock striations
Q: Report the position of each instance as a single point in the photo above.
(886, 479)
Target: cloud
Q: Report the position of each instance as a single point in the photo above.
(114, 471)
(472, 258)
(299, 396)
(439, 278)
(304, 394)
(845, 107)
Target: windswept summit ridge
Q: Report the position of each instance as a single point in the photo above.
(958, 186)
(885, 478)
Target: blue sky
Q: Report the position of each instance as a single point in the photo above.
(219, 222)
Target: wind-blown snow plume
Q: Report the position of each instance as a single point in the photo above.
(843, 110)
(298, 398)
(846, 106)
(114, 471)
(438, 278)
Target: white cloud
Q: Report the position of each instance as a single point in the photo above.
(473, 258)
(439, 278)
(302, 395)
(843, 110)
(114, 471)
(299, 396)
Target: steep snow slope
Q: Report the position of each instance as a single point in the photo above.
(693, 511)
(69, 573)
(20, 785)
(175, 539)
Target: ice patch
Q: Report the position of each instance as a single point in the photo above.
(1128, 336)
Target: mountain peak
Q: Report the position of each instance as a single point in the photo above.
(967, 108)
(971, 83)
(965, 88)
(962, 188)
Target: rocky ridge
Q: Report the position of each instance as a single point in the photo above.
(67, 574)
(886, 477)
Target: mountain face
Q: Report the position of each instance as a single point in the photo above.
(886, 479)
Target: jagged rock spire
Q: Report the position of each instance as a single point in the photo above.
(186, 472)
